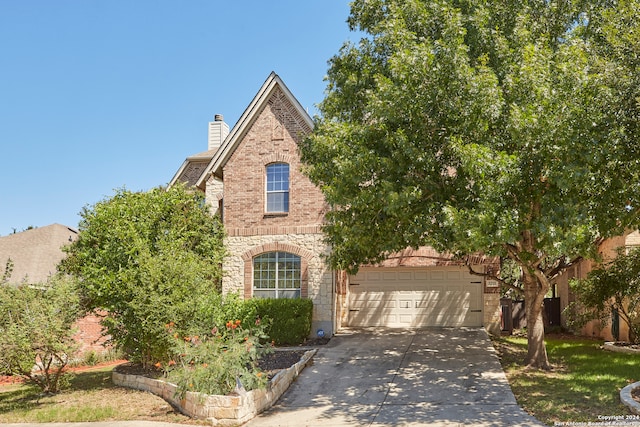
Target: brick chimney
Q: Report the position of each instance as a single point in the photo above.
(218, 131)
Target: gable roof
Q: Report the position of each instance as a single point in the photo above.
(192, 168)
(245, 122)
(35, 253)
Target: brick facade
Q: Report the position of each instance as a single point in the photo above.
(89, 335)
(273, 137)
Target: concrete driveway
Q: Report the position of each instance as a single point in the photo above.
(387, 377)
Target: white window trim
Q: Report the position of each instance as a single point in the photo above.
(267, 192)
(277, 289)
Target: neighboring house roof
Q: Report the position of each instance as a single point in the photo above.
(245, 122)
(35, 253)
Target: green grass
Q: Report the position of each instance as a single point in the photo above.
(584, 383)
(91, 397)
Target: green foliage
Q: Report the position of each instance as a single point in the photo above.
(464, 124)
(290, 318)
(214, 310)
(214, 363)
(6, 274)
(508, 128)
(613, 286)
(36, 334)
(287, 321)
(146, 258)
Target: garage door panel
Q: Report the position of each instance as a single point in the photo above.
(389, 277)
(418, 298)
(420, 275)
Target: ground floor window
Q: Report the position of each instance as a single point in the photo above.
(277, 275)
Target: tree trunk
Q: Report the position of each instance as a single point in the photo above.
(534, 292)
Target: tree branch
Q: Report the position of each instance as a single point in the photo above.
(491, 276)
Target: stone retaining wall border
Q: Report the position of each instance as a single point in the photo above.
(219, 410)
(628, 400)
(611, 346)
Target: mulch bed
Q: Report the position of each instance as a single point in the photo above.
(271, 363)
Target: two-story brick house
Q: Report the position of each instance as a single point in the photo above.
(273, 216)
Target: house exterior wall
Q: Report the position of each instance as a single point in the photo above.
(273, 137)
(608, 250)
(632, 240)
(317, 277)
(214, 193)
(269, 133)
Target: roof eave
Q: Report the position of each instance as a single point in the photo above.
(244, 124)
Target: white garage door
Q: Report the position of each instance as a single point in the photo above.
(435, 296)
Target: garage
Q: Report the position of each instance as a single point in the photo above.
(415, 297)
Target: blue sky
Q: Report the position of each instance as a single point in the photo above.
(99, 95)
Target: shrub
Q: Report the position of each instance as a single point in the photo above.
(146, 258)
(214, 310)
(290, 318)
(218, 362)
(36, 335)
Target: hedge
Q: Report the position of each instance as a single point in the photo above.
(290, 318)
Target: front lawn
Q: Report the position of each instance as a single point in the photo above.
(584, 384)
(92, 397)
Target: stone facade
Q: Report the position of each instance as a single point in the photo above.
(492, 313)
(317, 277)
(214, 194)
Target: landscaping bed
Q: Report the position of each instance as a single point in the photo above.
(270, 363)
(229, 410)
(622, 347)
(93, 396)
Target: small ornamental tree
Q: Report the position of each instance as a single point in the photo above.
(36, 334)
(145, 258)
(614, 286)
(506, 128)
(220, 360)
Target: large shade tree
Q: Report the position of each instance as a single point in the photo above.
(503, 127)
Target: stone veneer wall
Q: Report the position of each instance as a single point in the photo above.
(214, 193)
(219, 410)
(492, 312)
(318, 277)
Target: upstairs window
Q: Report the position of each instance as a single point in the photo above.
(277, 275)
(277, 187)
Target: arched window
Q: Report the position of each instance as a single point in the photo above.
(277, 275)
(277, 199)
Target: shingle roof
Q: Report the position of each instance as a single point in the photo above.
(35, 253)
